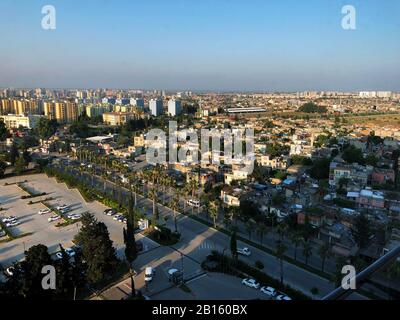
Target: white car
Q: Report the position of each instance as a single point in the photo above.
(251, 283)
(116, 217)
(283, 297)
(62, 207)
(70, 252)
(149, 274)
(10, 271)
(54, 218)
(9, 219)
(268, 291)
(244, 251)
(44, 211)
(12, 224)
(74, 216)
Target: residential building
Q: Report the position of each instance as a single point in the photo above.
(156, 107)
(117, 118)
(13, 121)
(174, 107)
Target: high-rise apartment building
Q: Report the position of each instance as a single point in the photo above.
(174, 107)
(156, 107)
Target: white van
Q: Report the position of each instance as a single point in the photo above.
(148, 274)
(193, 203)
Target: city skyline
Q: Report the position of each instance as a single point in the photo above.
(222, 47)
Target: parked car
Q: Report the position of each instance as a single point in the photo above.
(117, 216)
(12, 224)
(53, 218)
(269, 291)
(251, 283)
(9, 271)
(44, 211)
(244, 251)
(171, 273)
(62, 207)
(9, 219)
(283, 297)
(149, 274)
(193, 203)
(74, 216)
(111, 212)
(69, 251)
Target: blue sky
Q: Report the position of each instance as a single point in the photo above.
(259, 45)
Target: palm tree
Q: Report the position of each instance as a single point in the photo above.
(261, 230)
(249, 227)
(153, 196)
(280, 254)
(307, 250)
(213, 212)
(324, 252)
(282, 229)
(296, 241)
(175, 208)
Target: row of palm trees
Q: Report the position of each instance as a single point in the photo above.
(160, 181)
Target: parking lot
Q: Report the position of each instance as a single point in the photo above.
(39, 230)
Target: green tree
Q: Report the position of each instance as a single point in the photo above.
(234, 252)
(261, 230)
(64, 274)
(97, 249)
(3, 167)
(35, 259)
(213, 212)
(311, 107)
(45, 128)
(280, 254)
(353, 155)
(296, 241)
(13, 154)
(307, 250)
(129, 233)
(250, 227)
(3, 131)
(361, 230)
(324, 253)
(20, 165)
(320, 169)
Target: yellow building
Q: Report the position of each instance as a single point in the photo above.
(117, 118)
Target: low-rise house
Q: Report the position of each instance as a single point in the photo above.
(236, 175)
(231, 196)
(371, 199)
(316, 217)
(280, 163)
(382, 176)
